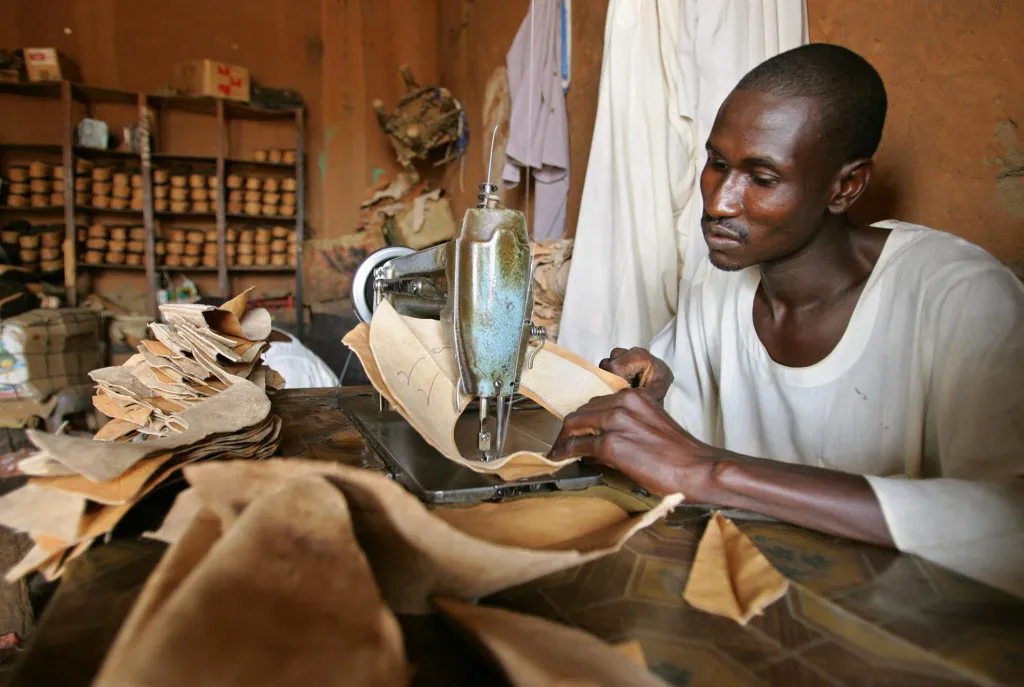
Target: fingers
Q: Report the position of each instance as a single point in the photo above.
(600, 417)
(616, 352)
(628, 364)
(590, 445)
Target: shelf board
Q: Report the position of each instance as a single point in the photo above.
(30, 210)
(172, 157)
(41, 148)
(199, 104)
(262, 218)
(239, 110)
(105, 211)
(206, 160)
(105, 266)
(46, 89)
(262, 268)
(100, 94)
(182, 268)
(240, 162)
(98, 153)
(186, 215)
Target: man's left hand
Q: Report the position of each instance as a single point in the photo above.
(631, 432)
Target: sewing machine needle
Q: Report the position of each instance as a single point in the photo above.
(501, 422)
(484, 438)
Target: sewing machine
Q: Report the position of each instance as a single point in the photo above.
(480, 286)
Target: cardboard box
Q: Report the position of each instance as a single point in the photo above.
(46, 64)
(209, 77)
(426, 221)
(43, 351)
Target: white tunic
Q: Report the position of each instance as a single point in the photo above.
(926, 382)
(300, 367)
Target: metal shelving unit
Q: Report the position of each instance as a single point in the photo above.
(224, 111)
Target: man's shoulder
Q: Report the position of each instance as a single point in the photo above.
(932, 253)
(937, 270)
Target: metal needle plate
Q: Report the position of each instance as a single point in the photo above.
(435, 479)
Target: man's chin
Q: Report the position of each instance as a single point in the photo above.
(720, 262)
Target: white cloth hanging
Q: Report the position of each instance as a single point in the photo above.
(668, 64)
(538, 125)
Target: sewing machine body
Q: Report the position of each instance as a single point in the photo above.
(480, 286)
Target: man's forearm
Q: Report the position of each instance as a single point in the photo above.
(824, 500)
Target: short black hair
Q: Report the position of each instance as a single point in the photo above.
(850, 90)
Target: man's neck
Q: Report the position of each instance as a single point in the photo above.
(840, 257)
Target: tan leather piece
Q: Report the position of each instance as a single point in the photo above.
(414, 552)
(729, 576)
(533, 652)
(283, 596)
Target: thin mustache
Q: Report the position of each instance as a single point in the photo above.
(726, 226)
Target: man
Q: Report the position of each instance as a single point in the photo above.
(812, 360)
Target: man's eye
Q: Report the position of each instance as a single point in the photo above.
(767, 182)
(718, 165)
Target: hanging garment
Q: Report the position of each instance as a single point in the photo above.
(668, 64)
(539, 127)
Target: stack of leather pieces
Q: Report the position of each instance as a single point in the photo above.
(274, 546)
(196, 390)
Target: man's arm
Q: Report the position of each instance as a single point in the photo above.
(631, 432)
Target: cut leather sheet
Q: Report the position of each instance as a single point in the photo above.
(414, 552)
(232, 318)
(282, 597)
(533, 652)
(182, 362)
(178, 519)
(120, 379)
(38, 557)
(168, 336)
(410, 363)
(134, 413)
(116, 491)
(729, 576)
(43, 464)
(114, 430)
(239, 406)
(36, 510)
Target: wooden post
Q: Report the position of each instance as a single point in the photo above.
(70, 231)
(300, 216)
(222, 257)
(148, 221)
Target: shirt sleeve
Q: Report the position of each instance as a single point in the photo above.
(970, 520)
(975, 417)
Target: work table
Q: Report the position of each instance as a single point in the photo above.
(854, 613)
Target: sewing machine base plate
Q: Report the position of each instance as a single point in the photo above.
(434, 479)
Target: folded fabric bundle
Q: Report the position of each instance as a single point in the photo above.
(410, 363)
(338, 552)
(197, 391)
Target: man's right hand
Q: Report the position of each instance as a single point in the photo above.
(641, 369)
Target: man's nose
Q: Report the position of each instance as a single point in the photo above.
(725, 197)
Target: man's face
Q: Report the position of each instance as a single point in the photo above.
(767, 182)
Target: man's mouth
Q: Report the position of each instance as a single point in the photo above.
(719, 238)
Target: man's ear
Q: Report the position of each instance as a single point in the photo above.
(851, 181)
